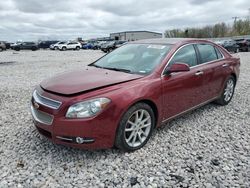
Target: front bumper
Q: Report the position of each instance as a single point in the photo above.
(91, 133)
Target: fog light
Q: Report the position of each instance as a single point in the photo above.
(79, 140)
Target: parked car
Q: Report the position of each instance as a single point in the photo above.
(14, 44)
(7, 44)
(229, 45)
(244, 44)
(110, 46)
(70, 46)
(46, 44)
(2, 46)
(56, 45)
(121, 98)
(87, 46)
(97, 45)
(25, 46)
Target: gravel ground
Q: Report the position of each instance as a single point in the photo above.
(209, 147)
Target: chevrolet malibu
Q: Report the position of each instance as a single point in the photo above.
(122, 97)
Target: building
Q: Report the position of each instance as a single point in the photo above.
(135, 35)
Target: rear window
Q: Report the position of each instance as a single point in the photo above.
(207, 53)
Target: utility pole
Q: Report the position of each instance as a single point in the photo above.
(248, 17)
(235, 18)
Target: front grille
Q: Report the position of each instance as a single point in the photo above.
(41, 117)
(46, 101)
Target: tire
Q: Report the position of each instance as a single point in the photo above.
(77, 48)
(1, 49)
(228, 92)
(56, 48)
(17, 49)
(64, 48)
(129, 129)
(33, 48)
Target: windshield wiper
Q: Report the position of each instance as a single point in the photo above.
(111, 68)
(117, 69)
(97, 66)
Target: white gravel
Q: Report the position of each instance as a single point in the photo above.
(209, 147)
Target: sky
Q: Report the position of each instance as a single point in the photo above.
(68, 19)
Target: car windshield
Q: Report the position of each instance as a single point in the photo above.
(134, 58)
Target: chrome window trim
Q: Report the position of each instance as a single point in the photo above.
(37, 119)
(162, 75)
(37, 99)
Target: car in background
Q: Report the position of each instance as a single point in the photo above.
(87, 46)
(71, 45)
(14, 44)
(7, 44)
(110, 46)
(25, 46)
(2, 46)
(230, 45)
(118, 100)
(46, 44)
(56, 45)
(97, 45)
(244, 44)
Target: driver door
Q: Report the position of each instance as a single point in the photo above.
(181, 91)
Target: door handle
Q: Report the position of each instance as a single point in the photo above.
(225, 65)
(199, 73)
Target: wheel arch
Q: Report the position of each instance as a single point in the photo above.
(151, 104)
(234, 75)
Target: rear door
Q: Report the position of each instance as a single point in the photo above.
(213, 66)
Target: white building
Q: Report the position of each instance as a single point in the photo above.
(135, 35)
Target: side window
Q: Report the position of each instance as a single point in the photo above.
(219, 55)
(186, 55)
(207, 52)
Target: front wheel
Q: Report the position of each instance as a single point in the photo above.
(228, 92)
(1, 49)
(77, 48)
(135, 127)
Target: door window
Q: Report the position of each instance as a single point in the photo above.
(207, 53)
(186, 55)
(219, 55)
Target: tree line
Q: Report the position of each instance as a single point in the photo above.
(239, 27)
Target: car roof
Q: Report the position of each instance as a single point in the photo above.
(168, 40)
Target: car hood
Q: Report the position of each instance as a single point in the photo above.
(87, 79)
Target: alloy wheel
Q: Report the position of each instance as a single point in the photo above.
(229, 90)
(138, 128)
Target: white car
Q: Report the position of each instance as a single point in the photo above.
(56, 45)
(70, 46)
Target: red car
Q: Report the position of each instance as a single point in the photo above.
(119, 99)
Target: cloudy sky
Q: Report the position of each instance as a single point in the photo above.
(68, 19)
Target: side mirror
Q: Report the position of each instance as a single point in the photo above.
(177, 67)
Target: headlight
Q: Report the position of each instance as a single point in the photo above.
(87, 108)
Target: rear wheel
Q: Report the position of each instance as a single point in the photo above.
(77, 48)
(1, 49)
(63, 48)
(228, 91)
(135, 127)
